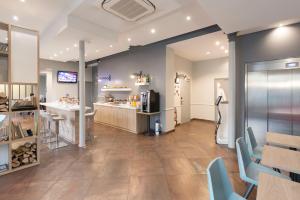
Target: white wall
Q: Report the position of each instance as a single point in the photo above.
(56, 90)
(202, 96)
(168, 113)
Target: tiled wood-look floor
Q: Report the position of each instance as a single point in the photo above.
(121, 165)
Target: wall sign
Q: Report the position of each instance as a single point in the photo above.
(104, 78)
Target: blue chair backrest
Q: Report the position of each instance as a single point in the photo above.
(219, 185)
(250, 140)
(243, 156)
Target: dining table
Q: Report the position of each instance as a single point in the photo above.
(283, 140)
(275, 188)
(280, 158)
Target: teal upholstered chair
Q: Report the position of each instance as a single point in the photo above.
(249, 170)
(254, 150)
(219, 185)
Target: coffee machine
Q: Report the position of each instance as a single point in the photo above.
(150, 101)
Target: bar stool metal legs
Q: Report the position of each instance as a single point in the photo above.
(57, 144)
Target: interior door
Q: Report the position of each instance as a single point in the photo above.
(185, 94)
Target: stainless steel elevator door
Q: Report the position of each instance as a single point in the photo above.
(273, 97)
(296, 102)
(280, 101)
(257, 98)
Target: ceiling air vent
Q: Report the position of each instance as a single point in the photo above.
(129, 10)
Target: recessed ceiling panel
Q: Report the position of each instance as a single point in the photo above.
(210, 46)
(129, 10)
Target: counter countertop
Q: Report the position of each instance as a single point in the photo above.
(62, 106)
(116, 105)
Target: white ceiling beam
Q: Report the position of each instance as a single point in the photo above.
(91, 30)
(59, 23)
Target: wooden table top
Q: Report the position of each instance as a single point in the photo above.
(283, 140)
(275, 188)
(284, 159)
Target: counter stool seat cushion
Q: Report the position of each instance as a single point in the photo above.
(89, 114)
(58, 118)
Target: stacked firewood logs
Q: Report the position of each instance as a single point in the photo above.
(3, 102)
(24, 155)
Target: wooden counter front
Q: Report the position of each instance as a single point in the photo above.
(120, 117)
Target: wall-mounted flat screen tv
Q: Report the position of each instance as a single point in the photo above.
(67, 77)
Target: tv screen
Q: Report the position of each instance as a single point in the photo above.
(67, 77)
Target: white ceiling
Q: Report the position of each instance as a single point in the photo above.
(89, 21)
(243, 15)
(197, 49)
(62, 23)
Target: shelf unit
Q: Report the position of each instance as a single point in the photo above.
(116, 89)
(142, 84)
(19, 79)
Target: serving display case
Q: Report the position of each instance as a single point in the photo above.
(19, 92)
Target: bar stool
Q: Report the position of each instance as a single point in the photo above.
(89, 118)
(57, 144)
(46, 133)
(44, 121)
(49, 134)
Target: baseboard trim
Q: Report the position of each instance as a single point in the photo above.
(203, 120)
(170, 131)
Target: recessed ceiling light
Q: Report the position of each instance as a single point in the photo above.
(6, 39)
(128, 39)
(67, 49)
(55, 55)
(15, 18)
(222, 47)
(188, 18)
(218, 43)
(97, 50)
(208, 53)
(75, 45)
(153, 31)
(226, 51)
(23, 1)
(111, 46)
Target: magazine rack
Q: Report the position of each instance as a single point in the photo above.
(19, 98)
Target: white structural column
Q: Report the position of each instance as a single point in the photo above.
(82, 93)
(232, 93)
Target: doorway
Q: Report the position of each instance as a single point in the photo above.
(185, 91)
(197, 64)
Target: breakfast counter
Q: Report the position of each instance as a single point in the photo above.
(69, 127)
(122, 116)
(63, 106)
